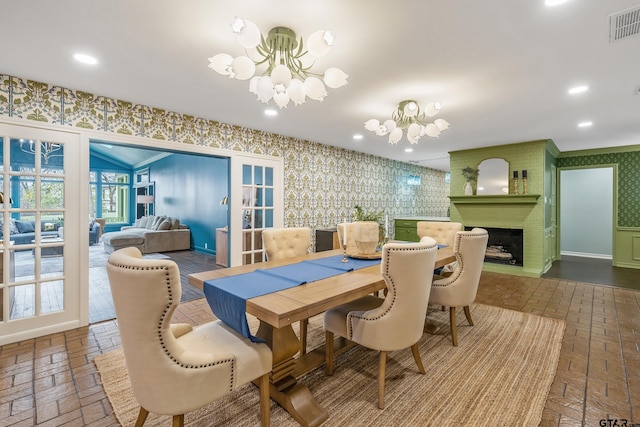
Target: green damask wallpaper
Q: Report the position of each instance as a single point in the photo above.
(628, 179)
(322, 183)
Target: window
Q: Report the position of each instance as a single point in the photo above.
(110, 195)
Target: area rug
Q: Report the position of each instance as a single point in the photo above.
(499, 375)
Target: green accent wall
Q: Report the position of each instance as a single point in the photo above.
(509, 211)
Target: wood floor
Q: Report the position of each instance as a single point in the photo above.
(52, 380)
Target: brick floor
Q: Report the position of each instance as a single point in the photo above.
(51, 381)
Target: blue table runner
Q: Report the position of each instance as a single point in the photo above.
(227, 296)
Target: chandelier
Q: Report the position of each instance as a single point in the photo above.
(410, 117)
(47, 149)
(285, 71)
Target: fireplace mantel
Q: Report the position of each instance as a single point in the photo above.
(496, 199)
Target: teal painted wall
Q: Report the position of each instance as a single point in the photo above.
(190, 187)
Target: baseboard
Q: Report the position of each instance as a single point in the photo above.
(204, 251)
(586, 255)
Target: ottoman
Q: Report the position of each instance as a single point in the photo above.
(118, 240)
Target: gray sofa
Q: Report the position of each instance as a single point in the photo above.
(150, 234)
(23, 232)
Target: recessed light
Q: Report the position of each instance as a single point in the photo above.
(578, 89)
(270, 112)
(408, 150)
(85, 59)
(584, 124)
(357, 136)
(554, 2)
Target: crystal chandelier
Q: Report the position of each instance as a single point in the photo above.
(285, 72)
(410, 117)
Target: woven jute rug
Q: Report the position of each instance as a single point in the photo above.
(499, 375)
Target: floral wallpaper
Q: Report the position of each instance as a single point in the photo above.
(322, 183)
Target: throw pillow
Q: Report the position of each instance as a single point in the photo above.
(165, 225)
(13, 228)
(25, 226)
(150, 222)
(175, 223)
(143, 222)
(157, 222)
(91, 224)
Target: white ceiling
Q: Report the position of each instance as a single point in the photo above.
(501, 69)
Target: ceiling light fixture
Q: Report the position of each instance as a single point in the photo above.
(85, 59)
(270, 112)
(410, 117)
(286, 71)
(554, 2)
(584, 124)
(358, 136)
(578, 89)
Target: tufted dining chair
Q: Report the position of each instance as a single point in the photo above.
(459, 289)
(174, 368)
(283, 243)
(392, 323)
(442, 232)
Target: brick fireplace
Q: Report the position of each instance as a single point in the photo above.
(516, 228)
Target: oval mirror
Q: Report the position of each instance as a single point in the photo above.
(493, 177)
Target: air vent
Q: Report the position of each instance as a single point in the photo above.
(624, 24)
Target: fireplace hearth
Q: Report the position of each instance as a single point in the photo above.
(505, 246)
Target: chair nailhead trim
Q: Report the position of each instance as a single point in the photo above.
(163, 317)
(390, 282)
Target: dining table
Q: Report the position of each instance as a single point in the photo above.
(277, 311)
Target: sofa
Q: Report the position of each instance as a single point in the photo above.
(23, 232)
(150, 234)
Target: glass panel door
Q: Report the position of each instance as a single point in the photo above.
(260, 206)
(35, 289)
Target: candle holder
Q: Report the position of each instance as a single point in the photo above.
(344, 255)
(524, 185)
(515, 185)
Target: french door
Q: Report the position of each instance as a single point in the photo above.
(256, 203)
(39, 286)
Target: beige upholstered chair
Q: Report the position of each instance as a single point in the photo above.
(175, 368)
(459, 289)
(442, 232)
(283, 243)
(392, 323)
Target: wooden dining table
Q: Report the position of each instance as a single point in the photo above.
(279, 310)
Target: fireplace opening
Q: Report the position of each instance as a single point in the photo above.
(505, 246)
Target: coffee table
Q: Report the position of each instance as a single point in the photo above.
(50, 251)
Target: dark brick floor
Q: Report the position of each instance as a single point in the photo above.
(51, 381)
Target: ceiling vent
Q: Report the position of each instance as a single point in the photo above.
(624, 24)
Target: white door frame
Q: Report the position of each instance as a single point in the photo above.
(235, 199)
(74, 312)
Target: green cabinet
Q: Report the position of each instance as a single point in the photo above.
(406, 230)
